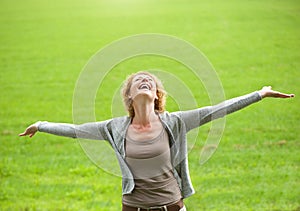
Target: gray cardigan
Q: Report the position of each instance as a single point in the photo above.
(177, 124)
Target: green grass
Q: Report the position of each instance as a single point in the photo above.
(44, 46)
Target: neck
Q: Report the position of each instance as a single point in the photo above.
(144, 114)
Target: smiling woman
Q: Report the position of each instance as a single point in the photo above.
(150, 82)
(150, 143)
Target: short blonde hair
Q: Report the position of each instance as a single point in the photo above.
(159, 103)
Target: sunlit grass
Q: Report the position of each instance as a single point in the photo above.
(44, 46)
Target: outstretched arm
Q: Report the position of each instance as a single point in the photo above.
(93, 130)
(197, 117)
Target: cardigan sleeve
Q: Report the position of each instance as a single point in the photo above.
(197, 117)
(93, 130)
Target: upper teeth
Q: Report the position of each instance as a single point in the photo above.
(144, 86)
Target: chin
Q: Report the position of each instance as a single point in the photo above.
(145, 94)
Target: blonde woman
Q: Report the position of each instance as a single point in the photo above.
(150, 143)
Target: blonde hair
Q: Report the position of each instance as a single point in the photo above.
(159, 102)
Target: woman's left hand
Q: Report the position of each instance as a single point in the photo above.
(267, 91)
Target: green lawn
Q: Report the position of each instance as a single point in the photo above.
(45, 45)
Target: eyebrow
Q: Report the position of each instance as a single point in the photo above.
(147, 76)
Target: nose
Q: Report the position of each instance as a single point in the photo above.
(145, 79)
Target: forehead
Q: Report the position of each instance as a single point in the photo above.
(143, 75)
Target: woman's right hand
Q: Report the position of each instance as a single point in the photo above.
(31, 130)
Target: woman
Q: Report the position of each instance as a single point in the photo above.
(150, 144)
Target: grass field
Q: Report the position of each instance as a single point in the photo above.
(44, 46)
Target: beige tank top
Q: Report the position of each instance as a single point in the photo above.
(150, 163)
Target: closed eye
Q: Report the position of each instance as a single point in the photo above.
(141, 78)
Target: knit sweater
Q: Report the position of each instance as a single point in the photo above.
(177, 124)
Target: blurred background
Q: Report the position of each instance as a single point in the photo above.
(44, 46)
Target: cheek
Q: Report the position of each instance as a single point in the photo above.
(129, 92)
(132, 90)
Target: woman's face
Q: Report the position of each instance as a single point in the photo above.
(143, 85)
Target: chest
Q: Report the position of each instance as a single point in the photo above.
(150, 148)
(145, 133)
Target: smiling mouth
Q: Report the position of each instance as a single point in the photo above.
(145, 86)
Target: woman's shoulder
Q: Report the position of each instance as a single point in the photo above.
(170, 116)
(120, 122)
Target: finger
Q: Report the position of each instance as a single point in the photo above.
(283, 95)
(22, 134)
(32, 134)
(267, 87)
